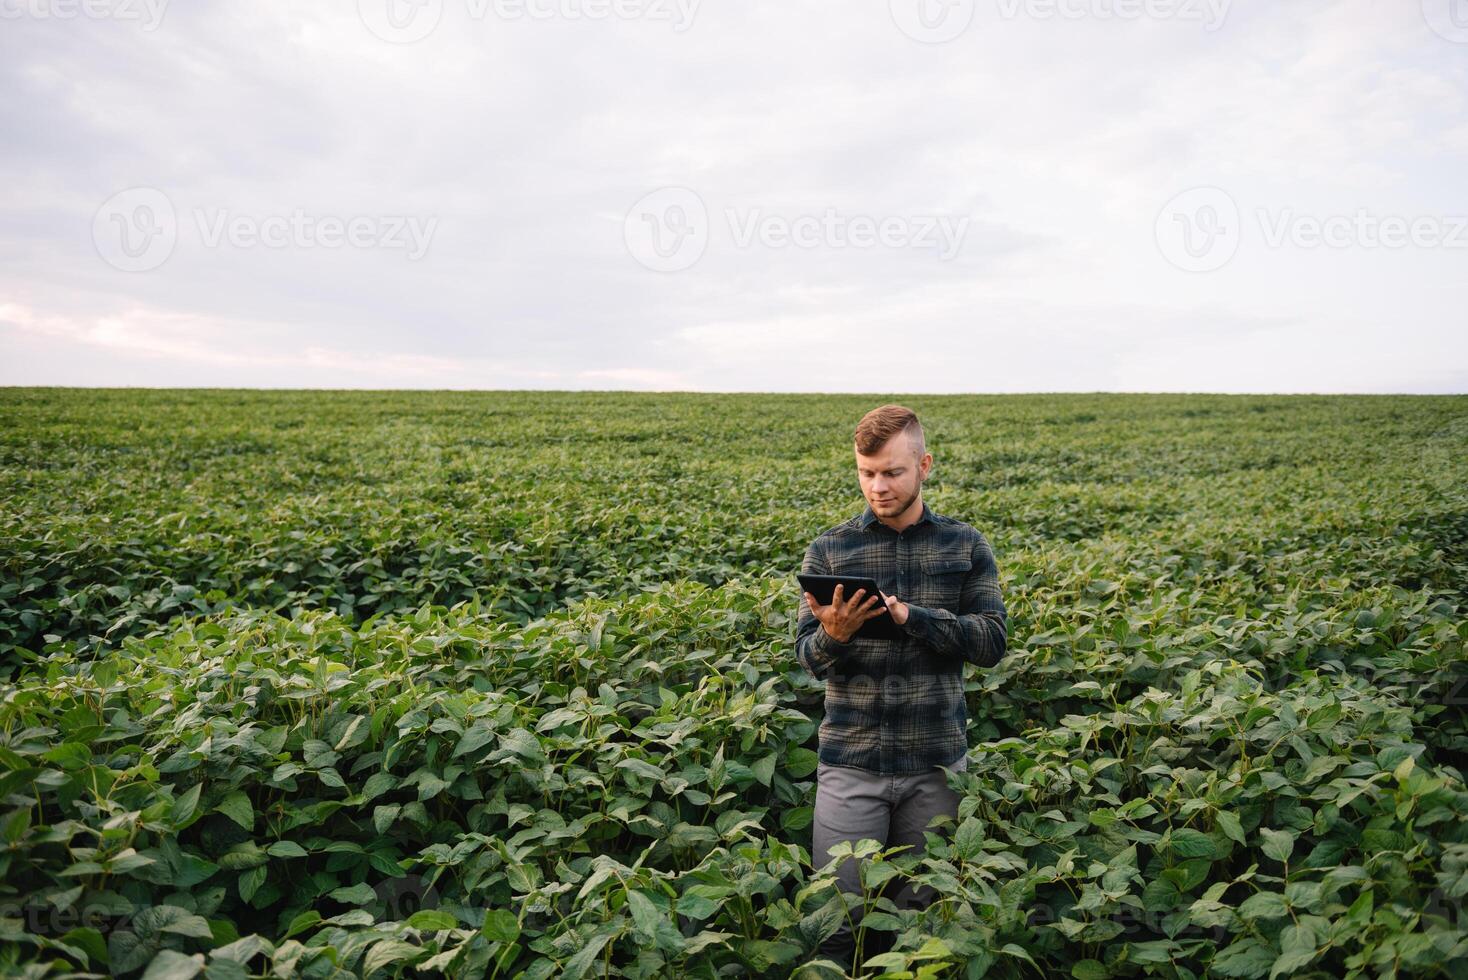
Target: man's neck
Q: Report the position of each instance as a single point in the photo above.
(907, 518)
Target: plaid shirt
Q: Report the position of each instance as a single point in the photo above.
(897, 706)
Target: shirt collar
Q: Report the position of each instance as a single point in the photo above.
(869, 516)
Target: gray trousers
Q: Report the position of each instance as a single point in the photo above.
(855, 803)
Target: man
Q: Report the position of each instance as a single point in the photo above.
(895, 717)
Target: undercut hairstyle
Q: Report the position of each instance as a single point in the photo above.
(881, 424)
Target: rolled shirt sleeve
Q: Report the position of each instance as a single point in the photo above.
(979, 632)
(816, 649)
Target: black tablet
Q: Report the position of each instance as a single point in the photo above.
(823, 587)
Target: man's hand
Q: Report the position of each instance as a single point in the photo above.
(842, 618)
(896, 608)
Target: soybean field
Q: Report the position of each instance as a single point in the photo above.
(502, 684)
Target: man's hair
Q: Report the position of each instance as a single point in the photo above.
(881, 424)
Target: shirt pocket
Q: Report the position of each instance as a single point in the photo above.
(943, 580)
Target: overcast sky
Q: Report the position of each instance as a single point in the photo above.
(903, 196)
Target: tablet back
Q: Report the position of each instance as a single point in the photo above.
(822, 587)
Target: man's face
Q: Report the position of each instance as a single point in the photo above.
(892, 477)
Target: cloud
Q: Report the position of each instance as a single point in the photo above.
(527, 140)
(185, 343)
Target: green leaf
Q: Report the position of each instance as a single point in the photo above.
(69, 755)
(797, 818)
(250, 882)
(183, 923)
(1322, 718)
(800, 762)
(577, 965)
(1189, 843)
(377, 784)
(1020, 952)
(358, 894)
(697, 907)
(171, 965)
(88, 939)
(887, 962)
(523, 743)
(933, 948)
(389, 951)
(1297, 949)
(431, 920)
(1229, 824)
(1278, 844)
(127, 951)
(1090, 970)
(242, 950)
(242, 856)
(645, 769)
(1246, 958)
(384, 816)
(645, 915)
(705, 939)
(1160, 895)
(237, 807)
(350, 919)
(764, 769)
(480, 734)
(968, 839)
(302, 922)
(185, 804)
(1264, 905)
(500, 925)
